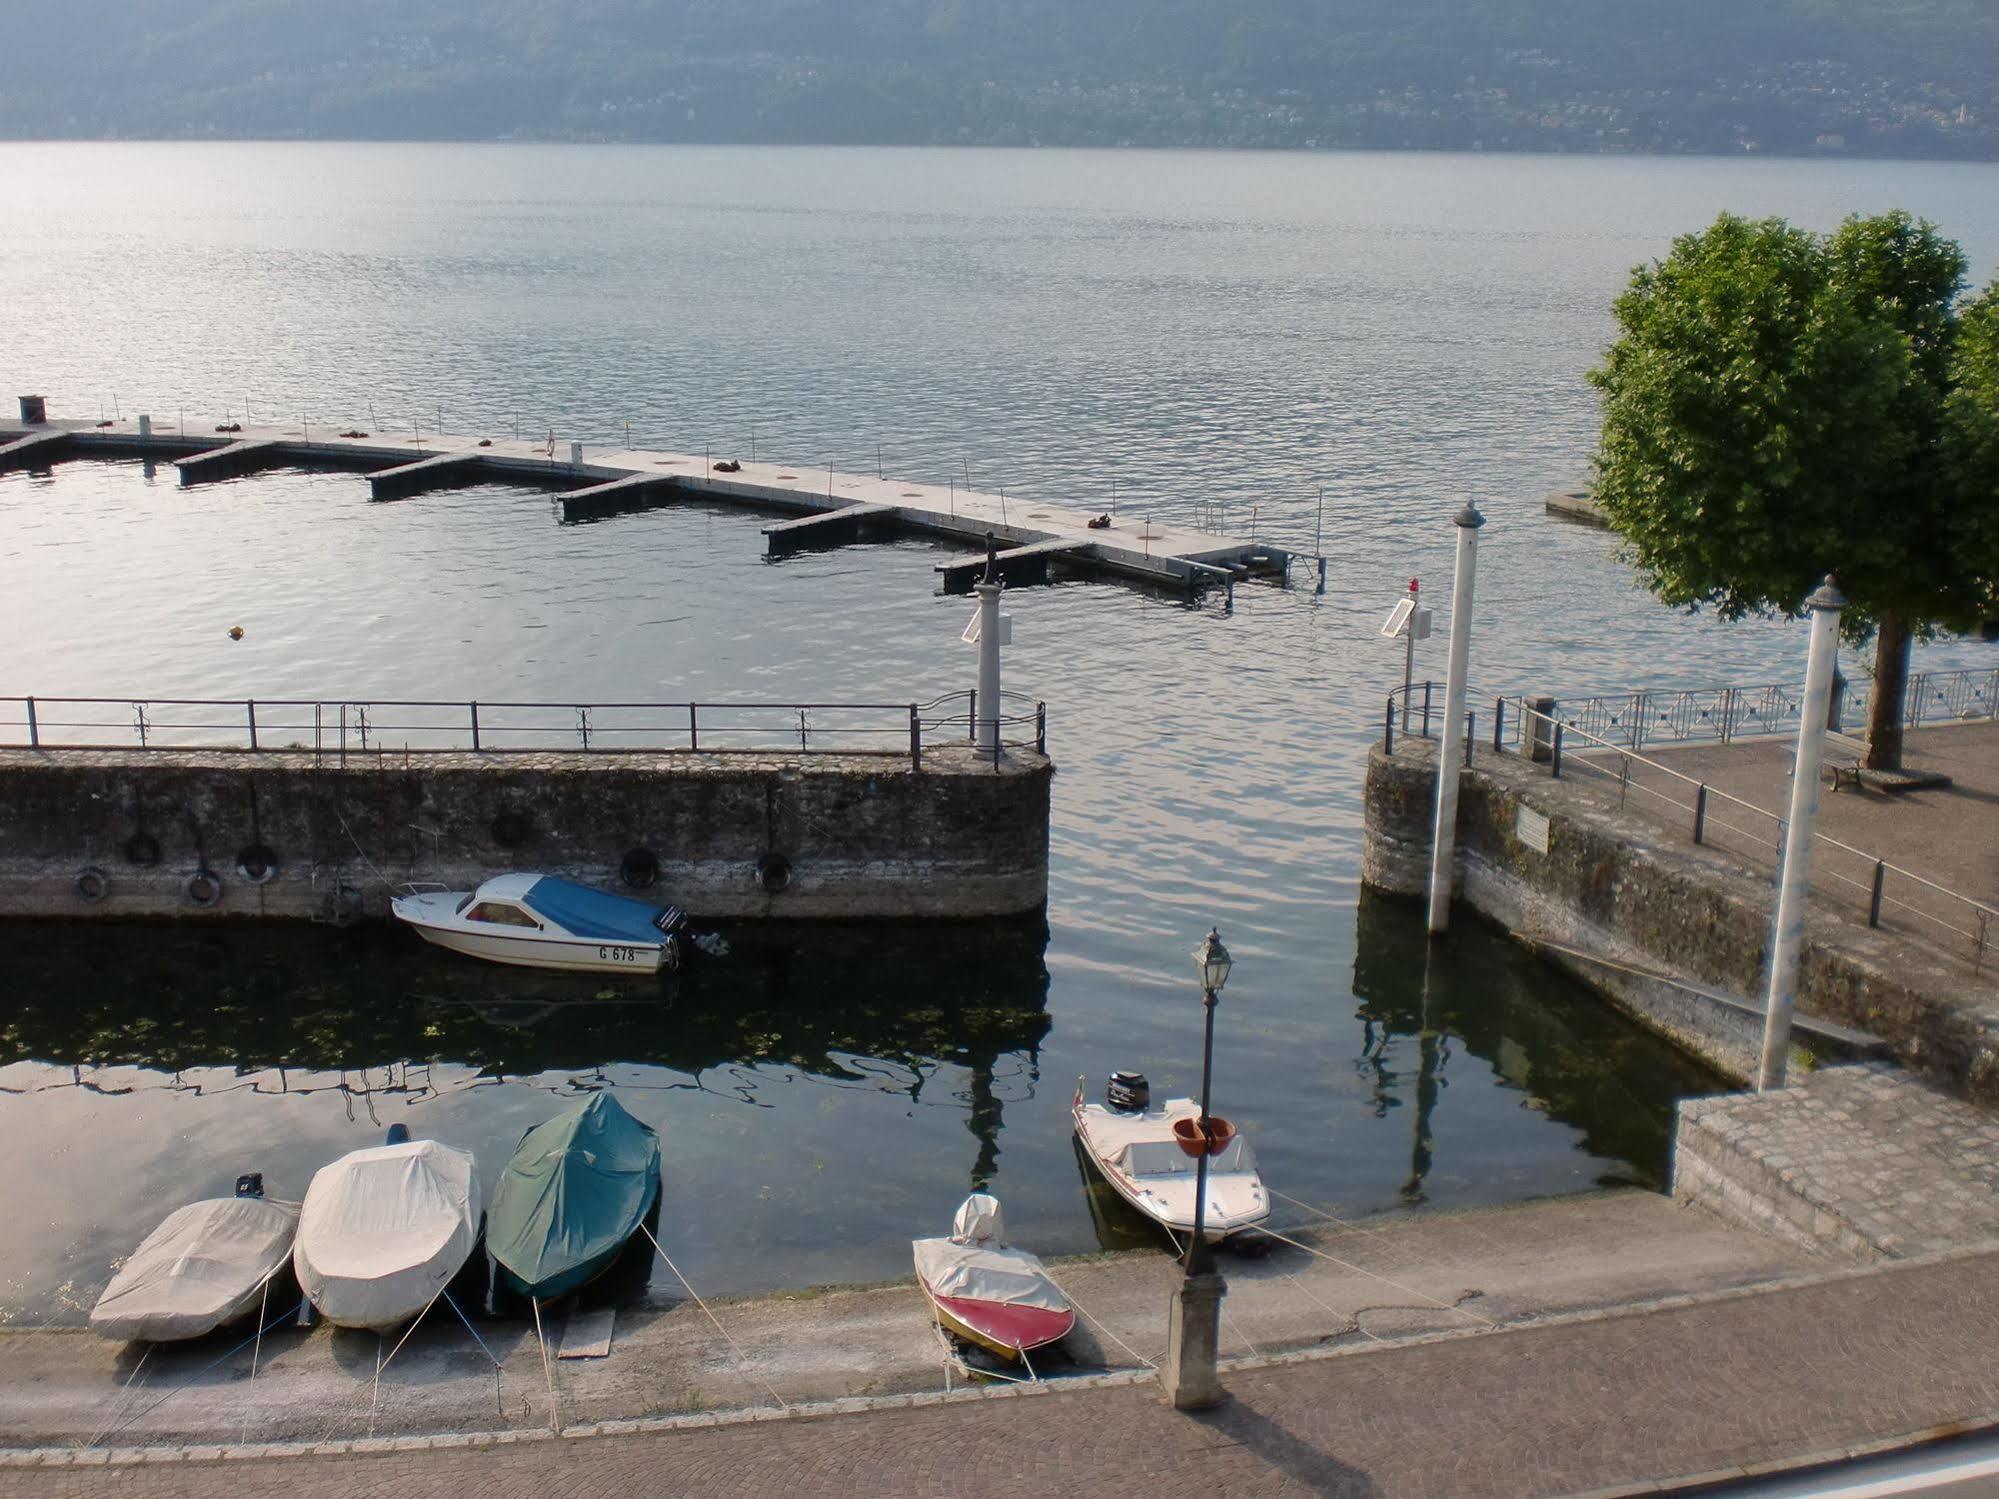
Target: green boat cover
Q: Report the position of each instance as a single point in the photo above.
(577, 1188)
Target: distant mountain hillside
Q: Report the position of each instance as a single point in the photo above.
(1869, 77)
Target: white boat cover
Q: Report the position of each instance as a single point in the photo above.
(974, 1263)
(384, 1230)
(205, 1265)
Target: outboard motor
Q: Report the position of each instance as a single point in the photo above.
(250, 1184)
(1127, 1093)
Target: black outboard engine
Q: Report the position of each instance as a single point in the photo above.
(250, 1184)
(1127, 1093)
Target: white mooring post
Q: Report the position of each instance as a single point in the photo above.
(1450, 745)
(990, 636)
(1794, 880)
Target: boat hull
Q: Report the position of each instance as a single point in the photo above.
(998, 1327)
(1216, 1227)
(573, 955)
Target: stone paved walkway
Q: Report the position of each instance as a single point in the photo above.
(1723, 1383)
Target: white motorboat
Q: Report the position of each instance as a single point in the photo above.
(539, 921)
(384, 1230)
(986, 1292)
(206, 1265)
(1137, 1150)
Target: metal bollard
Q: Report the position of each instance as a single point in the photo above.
(1700, 813)
(1880, 884)
(1555, 765)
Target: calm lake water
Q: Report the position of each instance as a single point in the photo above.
(1397, 333)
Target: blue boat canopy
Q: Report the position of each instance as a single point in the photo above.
(597, 914)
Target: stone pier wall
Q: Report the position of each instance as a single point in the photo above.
(298, 835)
(1606, 885)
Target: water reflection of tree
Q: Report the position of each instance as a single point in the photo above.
(376, 1016)
(1565, 1052)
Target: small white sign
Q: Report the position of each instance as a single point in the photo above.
(1531, 828)
(1397, 618)
(971, 635)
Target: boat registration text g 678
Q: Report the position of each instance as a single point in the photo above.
(622, 954)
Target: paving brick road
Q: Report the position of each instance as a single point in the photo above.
(1559, 1409)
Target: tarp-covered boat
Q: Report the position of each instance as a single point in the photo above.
(985, 1292)
(539, 921)
(383, 1231)
(576, 1190)
(205, 1265)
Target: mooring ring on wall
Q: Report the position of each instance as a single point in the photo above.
(773, 872)
(257, 863)
(510, 828)
(204, 888)
(142, 848)
(640, 868)
(92, 884)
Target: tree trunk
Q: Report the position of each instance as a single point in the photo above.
(1884, 706)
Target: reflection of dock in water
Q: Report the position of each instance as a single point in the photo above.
(1568, 1055)
(372, 1015)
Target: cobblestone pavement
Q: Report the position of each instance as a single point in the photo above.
(1864, 1161)
(1700, 1388)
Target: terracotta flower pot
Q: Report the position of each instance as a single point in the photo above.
(1187, 1134)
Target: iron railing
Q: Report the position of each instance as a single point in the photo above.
(1694, 715)
(1890, 895)
(377, 726)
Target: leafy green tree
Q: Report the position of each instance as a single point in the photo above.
(1780, 405)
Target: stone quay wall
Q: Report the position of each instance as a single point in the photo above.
(294, 834)
(1630, 906)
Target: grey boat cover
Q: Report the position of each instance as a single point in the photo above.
(973, 1263)
(384, 1230)
(205, 1265)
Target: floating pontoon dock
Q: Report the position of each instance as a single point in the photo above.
(824, 507)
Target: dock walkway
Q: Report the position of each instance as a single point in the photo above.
(1702, 1389)
(1140, 547)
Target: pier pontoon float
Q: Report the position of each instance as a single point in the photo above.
(1149, 1156)
(539, 921)
(986, 1292)
(206, 1265)
(384, 1230)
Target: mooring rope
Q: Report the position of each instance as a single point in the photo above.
(123, 1391)
(740, 1358)
(1374, 1275)
(499, 1401)
(547, 1369)
(206, 1368)
(1101, 1326)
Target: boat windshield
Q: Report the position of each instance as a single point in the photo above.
(499, 913)
(1165, 1158)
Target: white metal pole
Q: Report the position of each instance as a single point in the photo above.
(1409, 650)
(989, 665)
(1794, 881)
(1450, 745)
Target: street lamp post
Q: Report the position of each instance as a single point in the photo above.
(1194, 1326)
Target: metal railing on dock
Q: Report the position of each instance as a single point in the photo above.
(1890, 895)
(1696, 715)
(380, 726)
